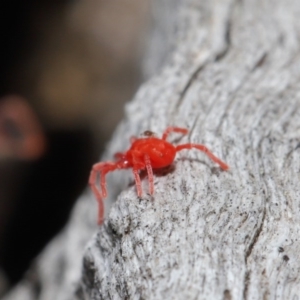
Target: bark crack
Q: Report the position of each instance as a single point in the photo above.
(227, 38)
(219, 55)
(249, 251)
(188, 84)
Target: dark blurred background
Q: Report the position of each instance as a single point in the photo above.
(66, 70)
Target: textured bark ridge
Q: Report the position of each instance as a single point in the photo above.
(232, 77)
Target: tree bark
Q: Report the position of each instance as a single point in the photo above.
(231, 76)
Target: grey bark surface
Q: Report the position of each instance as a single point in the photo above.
(232, 77)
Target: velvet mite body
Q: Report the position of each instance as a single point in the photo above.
(145, 153)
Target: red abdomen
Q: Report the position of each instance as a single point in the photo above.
(160, 152)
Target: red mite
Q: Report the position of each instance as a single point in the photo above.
(145, 153)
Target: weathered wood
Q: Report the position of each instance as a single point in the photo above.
(232, 77)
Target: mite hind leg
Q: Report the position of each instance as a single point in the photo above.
(204, 149)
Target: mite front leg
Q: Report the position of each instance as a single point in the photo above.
(102, 169)
(173, 129)
(119, 155)
(133, 139)
(99, 197)
(98, 168)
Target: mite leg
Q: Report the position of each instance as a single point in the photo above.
(138, 183)
(98, 195)
(133, 139)
(173, 129)
(102, 169)
(119, 155)
(150, 174)
(203, 148)
(92, 182)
